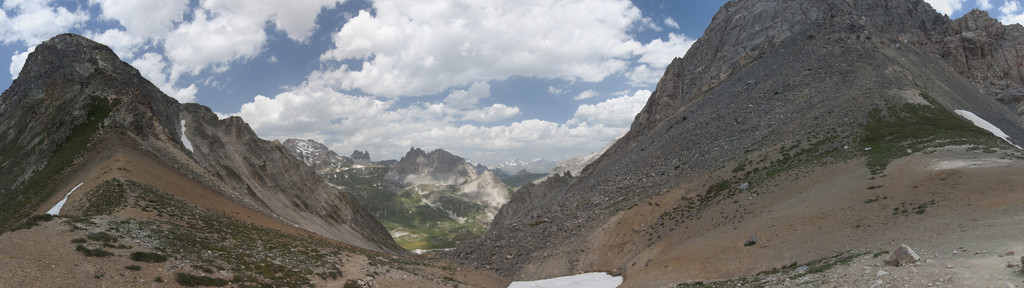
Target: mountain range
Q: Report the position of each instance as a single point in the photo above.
(796, 144)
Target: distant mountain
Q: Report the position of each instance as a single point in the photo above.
(437, 167)
(533, 166)
(521, 178)
(575, 165)
(426, 200)
(318, 156)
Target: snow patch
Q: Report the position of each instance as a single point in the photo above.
(56, 208)
(981, 123)
(589, 280)
(184, 139)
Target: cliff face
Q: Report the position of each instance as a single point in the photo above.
(765, 77)
(73, 91)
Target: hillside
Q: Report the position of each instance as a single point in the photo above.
(153, 190)
(780, 122)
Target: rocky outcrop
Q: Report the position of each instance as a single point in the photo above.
(316, 155)
(70, 80)
(439, 167)
(361, 158)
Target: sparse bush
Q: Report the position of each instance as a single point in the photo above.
(148, 257)
(101, 237)
(93, 252)
(79, 240)
(133, 267)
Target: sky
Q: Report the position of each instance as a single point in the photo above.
(491, 81)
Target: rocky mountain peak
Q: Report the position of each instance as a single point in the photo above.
(437, 167)
(317, 155)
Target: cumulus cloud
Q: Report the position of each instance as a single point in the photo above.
(585, 94)
(946, 6)
(671, 23)
(490, 114)
(984, 4)
(416, 48)
(154, 68)
(124, 44)
(35, 21)
(470, 97)
(144, 19)
(655, 57)
(18, 61)
(615, 112)
(1012, 13)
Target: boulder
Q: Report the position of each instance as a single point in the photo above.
(902, 256)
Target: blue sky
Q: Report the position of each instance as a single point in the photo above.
(488, 80)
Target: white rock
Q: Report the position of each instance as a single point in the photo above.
(881, 273)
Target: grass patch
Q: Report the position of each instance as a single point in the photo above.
(897, 131)
(190, 280)
(133, 267)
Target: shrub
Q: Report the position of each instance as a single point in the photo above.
(148, 257)
(133, 267)
(93, 252)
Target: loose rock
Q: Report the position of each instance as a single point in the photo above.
(902, 256)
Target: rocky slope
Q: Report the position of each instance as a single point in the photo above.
(74, 93)
(773, 91)
(437, 167)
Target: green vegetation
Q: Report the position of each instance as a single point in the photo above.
(133, 267)
(17, 204)
(404, 212)
(101, 237)
(787, 272)
(93, 252)
(899, 130)
(190, 280)
(148, 257)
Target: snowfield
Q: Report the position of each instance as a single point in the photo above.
(587, 280)
(981, 123)
(56, 208)
(184, 140)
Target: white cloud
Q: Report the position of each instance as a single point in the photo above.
(153, 67)
(469, 98)
(124, 44)
(671, 23)
(18, 61)
(34, 21)
(416, 48)
(1012, 13)
(946, 7)
(144, 19)
(655, 57)
(212, 38)
(555, 91)
(490, 114)
(615, 112)
(585, 94)
(984, 4)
